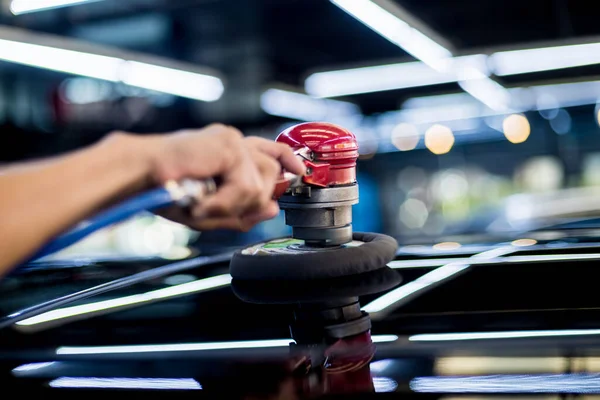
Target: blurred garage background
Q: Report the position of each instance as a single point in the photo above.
(475, 118)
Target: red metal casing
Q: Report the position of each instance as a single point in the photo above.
(334, 152)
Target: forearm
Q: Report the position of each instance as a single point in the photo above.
(39, 201)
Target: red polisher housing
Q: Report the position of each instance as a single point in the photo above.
(334, 152)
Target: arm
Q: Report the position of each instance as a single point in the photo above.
(42, 199)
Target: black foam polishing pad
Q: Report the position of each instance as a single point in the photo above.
(290, 259)
(317, 290)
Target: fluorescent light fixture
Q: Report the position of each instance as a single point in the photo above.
(516, 62)
(489, 92)
(566, 94)
(383, 384)
(374, 79)
(396, 31)
(32, 366)
(160, 348)
(472, 79)
(531, 383)
(168, 80)
(288, 104)
(18, 7)
(178, 82)
(444, 337)
(137, 299)
(126, 383)
(384, 338)
(61, 60)
(394, 76)
(442, 101)
(380, 366)
(447, 113)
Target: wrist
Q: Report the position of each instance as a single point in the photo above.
(133, 155)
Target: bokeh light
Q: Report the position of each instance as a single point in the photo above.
(547, 106)
(561, 123)
(516, 128)
(410, 178)
(540, 174)
(447, 246)
(405, 136)
(413, 213)
(439, 139)
(524, 242)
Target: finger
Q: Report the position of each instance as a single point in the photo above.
(243, 224)
(270, 171)
(226, 223)
(281, 152)
(267, 213)
(240, 191)
(231, 200)
(183, 216)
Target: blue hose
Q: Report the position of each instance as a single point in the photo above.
(147, 201)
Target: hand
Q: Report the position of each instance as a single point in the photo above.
(248, 169)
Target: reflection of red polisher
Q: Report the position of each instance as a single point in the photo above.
(319, 209)
(332, 347)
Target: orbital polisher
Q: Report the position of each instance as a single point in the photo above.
(318, 208)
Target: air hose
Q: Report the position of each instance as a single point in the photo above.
(180, 193)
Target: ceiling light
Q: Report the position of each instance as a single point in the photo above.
(174, 81)
(393, 76)
(32, 366)
(397, 31)
(18, 7)
(182, 83)
(384, 338)
(380, 366)
(443, 337)
(61, 60)
(159, 348)
(374, 79)
(544, 59)
(126, 383)
(584, 383)
(382, 384)
(299, 106)
(489, 92)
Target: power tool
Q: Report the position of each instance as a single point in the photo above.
(318, 207)
(319, 211)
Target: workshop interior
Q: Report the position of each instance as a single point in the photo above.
(443, 243)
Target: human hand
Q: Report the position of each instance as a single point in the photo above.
(248, 169)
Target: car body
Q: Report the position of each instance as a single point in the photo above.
(519, 315)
